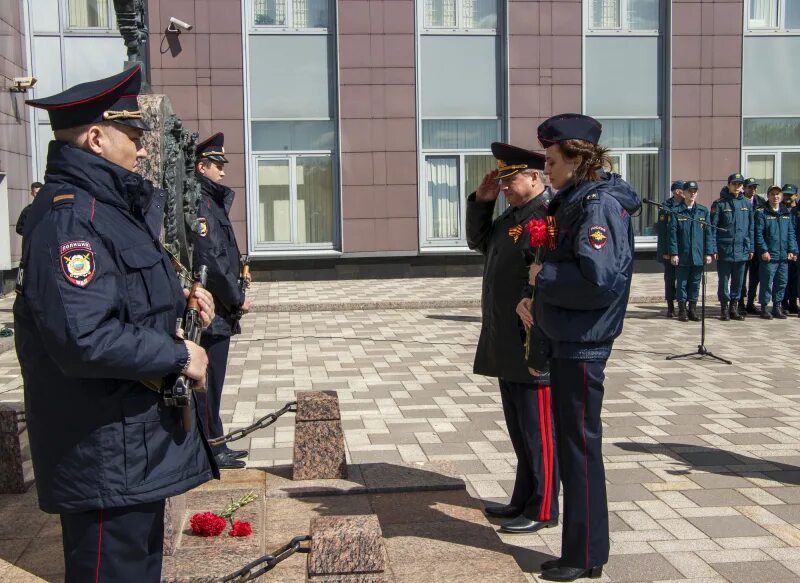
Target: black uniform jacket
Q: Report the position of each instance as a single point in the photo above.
(215, 247)
(96, 314)
(501, 350)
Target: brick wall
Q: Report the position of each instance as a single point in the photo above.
(15, 140)
(201, 72)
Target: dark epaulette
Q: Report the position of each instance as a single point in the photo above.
(591, 197)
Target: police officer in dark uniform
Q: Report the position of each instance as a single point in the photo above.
(776, 245)
(97, 301)
(751, 275)
(215, 246)
(581, 296)
(500, 353)
(733, 214)
(662, 250)
(789, 303)
(691, 247)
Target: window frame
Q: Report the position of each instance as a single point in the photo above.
(779, 30)
(776, 153)
(254, 222)
(459, 28)
(68, 30)
(624, 28)
(289, 27)
(623, 154)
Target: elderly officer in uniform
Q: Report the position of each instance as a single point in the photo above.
(582, 292)
(776, 245)
(95, 320)
(662, 251)
(500, 353)
(751, 274)
(215, 246)
(789, 303)
(691, 246)
(733, 214)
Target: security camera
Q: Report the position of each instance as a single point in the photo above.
(22, 84)
(178, 26)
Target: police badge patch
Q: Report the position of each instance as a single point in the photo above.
(597, 236)
(77, 262)
(203, 222)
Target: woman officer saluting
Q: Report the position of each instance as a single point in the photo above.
(582, 294)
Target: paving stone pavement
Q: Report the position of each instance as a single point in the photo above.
(701, 458)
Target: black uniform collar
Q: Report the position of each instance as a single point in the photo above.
(219, 193)
(104, 180)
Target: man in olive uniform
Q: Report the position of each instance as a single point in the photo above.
(691, 247)
(751, 276)
(732, 213)
(500, 353)
(215, 246)
(97, 301)
(789, 303)
(662, 251)
(776, 245)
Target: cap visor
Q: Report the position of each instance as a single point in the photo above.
(217, 158)
(134, 123)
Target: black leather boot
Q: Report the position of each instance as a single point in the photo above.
(735, 315)
(682, 317)
(670, 309)
(765, 315)
(777, 312)
(693, 317)
(751, 306)
(742, 306)
(724, 314)
(571, 573)
(793, 307)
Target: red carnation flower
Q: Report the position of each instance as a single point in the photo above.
(207, 524)
(241, 528)
(537, 231)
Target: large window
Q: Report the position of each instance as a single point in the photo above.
(460, 14)
(292, 135)
(89, 14)
(623, 16)
(773, 15)
(771, 150)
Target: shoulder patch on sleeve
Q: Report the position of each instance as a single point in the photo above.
(77, 262)
(598, 237)
(203, 225)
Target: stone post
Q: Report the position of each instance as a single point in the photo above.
(347, 549)
(16, 471)
(319, 452)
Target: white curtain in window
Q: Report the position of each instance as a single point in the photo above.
(440, 12)
(443, 198)
(314, 200)
(762, 168)
(269, 12)
(605, 14)
(310, 13)
(642, 170)
(275, 220)
(88, 13)
(764, 13)
(790, 168)
(480, 14)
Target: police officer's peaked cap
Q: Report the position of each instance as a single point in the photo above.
(569, 126)
(774, 187)
(213, 148)
(789, 189)
(511, 159)
(736, 178)
(111, 99)
(751, 182)
(677, 185)
(690, 185)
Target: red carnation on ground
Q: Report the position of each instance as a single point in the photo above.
(241, 528)
(537, 231)
(207, 524)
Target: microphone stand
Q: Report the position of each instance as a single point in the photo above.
(701, 352)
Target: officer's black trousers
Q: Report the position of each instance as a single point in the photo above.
(578, 397)
(528, 411)
(751, 279)
(209, 402)
(114, 545)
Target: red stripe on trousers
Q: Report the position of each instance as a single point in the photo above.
(548, 405)
(99, 545)
(586, 465)
(547, 451)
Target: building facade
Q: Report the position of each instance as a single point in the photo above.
(356, 129)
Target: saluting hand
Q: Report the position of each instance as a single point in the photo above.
(489, 189)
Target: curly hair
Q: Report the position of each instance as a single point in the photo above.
(594, 158)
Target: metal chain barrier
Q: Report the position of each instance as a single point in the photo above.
(255, 569)
(265, 421)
